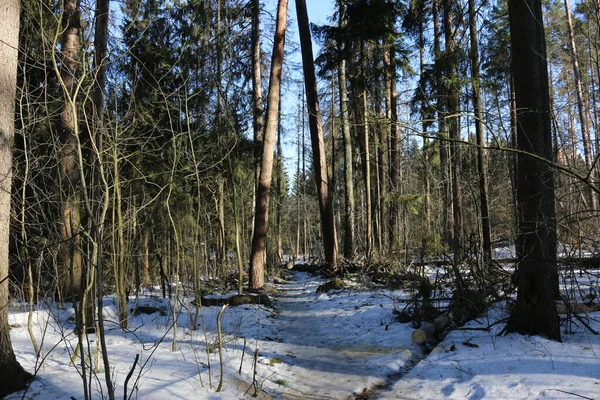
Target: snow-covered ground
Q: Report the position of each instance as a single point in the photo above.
(339, 345)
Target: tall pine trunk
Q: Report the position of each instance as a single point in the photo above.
(257, 96)
(263, 192)
(347, 140)
(392, 117)
(324, 191)
(535, 311)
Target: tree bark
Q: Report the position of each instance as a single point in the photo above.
(14, 377)
(263, 192)
(324, 192)
(534, 312)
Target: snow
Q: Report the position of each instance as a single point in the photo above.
(337, 345)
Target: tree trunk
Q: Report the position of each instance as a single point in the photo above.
(366, 161)
(222, 236)
(120, 267)
(279, 188)
(513, 157)
(452, 92)
(98, 208)
(347, 139)
(442, 137)
(382, 171)
(70, 253)
(479, 131)
(13, 376)
(392, 117)
(257, 97)
(581, 106)
(316, 133)
(426, 144)
(100, 49)
(534, 312)
(299, 215)
(263, 192)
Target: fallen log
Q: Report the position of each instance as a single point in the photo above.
(236, 300)
(579, 308)
(334, 284)
(432, 331)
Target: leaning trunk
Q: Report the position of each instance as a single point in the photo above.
(316, 133)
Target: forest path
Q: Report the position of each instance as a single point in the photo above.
(333, 346)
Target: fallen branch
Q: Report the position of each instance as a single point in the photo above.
(220, 336)
(125, 397)
(579, 308)
(573, 394)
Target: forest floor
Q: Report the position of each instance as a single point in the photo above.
(344, 344)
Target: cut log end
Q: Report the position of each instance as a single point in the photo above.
(431, 330)
(418, 336)
(421, 335)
